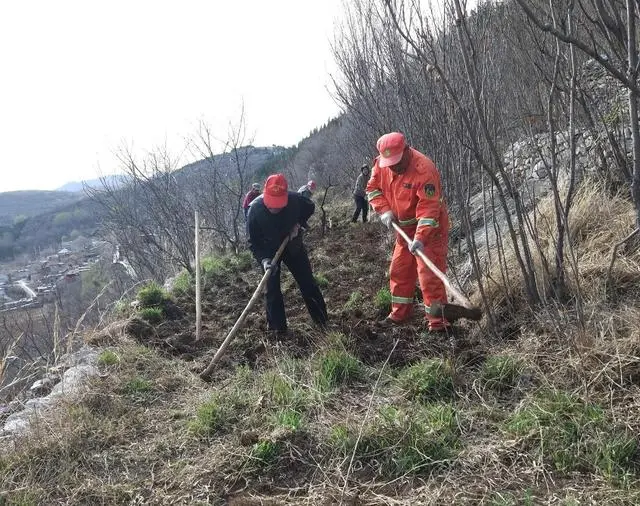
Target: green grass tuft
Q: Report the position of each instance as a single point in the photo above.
(152, 295)
(153, 315)
(355, 301)
(337, 367)
(382, 300)
(209, 419)
(108, 357)
(137, 385)
(574, 435)
(399, 441)
(501, 373)
(427, 380)
(182, 283)
(289, 419)
(266, 451)
(321, 280)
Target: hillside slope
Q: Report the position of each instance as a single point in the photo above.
(521, 415)
(31, 203)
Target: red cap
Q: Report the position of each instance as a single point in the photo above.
(275, 193)
(391, 147)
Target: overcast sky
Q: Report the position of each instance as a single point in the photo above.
(77, 78)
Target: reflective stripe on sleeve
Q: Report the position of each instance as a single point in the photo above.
(373, 194)
(406, 223)
(427, 222)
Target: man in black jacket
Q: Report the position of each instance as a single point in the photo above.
(271, 218)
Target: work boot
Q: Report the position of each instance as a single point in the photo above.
(439, 326)
(277, 335)
(388, 323)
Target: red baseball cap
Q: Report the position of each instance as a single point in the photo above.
(391, 147)
(275, 193)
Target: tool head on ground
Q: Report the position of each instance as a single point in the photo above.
(453, 312)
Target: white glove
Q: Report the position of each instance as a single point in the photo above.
(416, 246)
(266, 264)
(387, 219)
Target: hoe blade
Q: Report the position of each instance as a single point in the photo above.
(453, 312)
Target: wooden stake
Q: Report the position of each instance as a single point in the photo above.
(198, 285)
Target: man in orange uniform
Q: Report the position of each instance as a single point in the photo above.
(405, 188)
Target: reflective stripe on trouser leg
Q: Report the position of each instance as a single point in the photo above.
(432, 288)
(402, 281)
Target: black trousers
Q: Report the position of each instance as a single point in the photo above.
(361, 205)
(297, 261)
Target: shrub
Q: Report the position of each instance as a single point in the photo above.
(337, 367)
(501, 373)
(383, 300)
(152, 295)
(108, 357)
(427, 380)
(152, 315)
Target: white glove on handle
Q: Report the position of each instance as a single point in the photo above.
(266, 264)
(416, 246)
(387, 219)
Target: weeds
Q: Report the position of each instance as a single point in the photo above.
(427, 381)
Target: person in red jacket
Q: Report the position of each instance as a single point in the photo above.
(250, 197)
(405, 188)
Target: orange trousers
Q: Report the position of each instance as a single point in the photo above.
(405, 268)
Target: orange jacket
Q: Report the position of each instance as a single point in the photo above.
(415, 196)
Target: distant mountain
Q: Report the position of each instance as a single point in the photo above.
(78, 186)
(32, 203)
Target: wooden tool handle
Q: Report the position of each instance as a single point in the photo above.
(457, 294)
(243, 316)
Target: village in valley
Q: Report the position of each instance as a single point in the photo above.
(32, 282)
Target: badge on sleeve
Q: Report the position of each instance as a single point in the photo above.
(429, 190)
